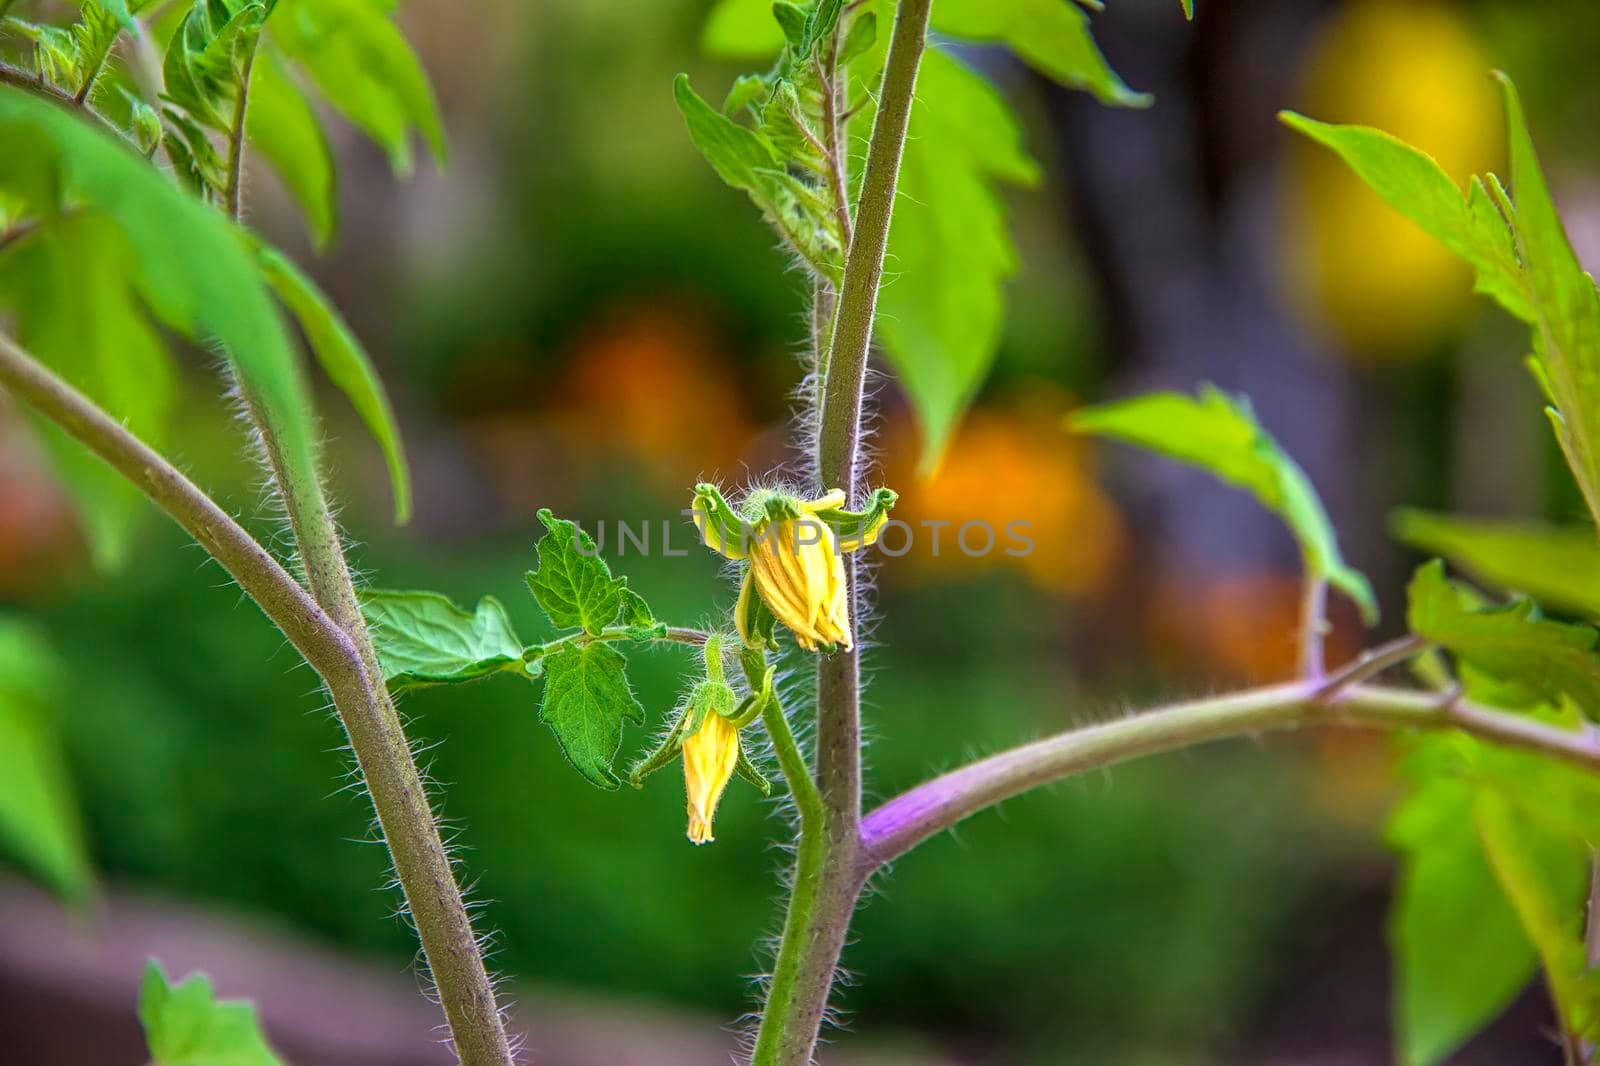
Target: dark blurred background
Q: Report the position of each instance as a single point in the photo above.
(576, 314)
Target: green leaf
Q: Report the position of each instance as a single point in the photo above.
(941, 309)
(1220, 434)
(204, 61)
(72, 285)
(1543, 875)
(422, 638)
(1557, 566)
(284, 128)
(186, 1026)
(39, 822)
(573, 583)
(346, 364)
(746, 159)
(1460, 954)
(1409, 181)
(1567, 308)
(366, 70)
(1188, 9)
(586, 698)
(1051, 36)
(195, 270)
(1511, 644)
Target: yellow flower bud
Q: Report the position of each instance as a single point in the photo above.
(709, 758)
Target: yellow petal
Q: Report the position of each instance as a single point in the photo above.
(831, 501)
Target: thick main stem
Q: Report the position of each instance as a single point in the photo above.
(829, 870)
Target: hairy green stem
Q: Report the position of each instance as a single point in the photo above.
(789, 1028)
(829, 871)
(341, 653)
(1313, 625)
(231, 200)
(283, 599)
(934, 806)
(383, 753)
(672, 635)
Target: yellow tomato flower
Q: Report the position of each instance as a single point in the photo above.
(795, 553)
(709, 758)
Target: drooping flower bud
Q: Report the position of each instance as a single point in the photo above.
(709, 759)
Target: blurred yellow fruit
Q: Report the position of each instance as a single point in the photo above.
(1382, 286)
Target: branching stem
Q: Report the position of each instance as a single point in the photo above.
(936, 805)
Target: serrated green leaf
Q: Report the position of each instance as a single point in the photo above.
(422, 638)
(71, 283)
(346, 364)
(1566, 305)
(365, 68)
(39, 822)
(1511, 644)
(284, 128)
(1557, 566)
(1412, 183)
(573, 583)
(747, 159)
(1220, 434)
(1533, 271)
(195, 270)
(1460, 953)
(586, 699)
(941, 308)
(185, 1025)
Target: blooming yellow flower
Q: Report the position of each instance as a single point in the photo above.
(709, 758)
(794, 549)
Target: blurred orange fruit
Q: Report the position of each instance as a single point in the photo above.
(1009, 465)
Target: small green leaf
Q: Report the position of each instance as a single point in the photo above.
(738, 154)
(1220, 434)
(423, 638)
(185, 1025)
(1409, 181)
(346, 364)
(39, 822)
(1188, 9)
(283, 126)
(1511, 644)
(637, 616)
(365, 68)
(586, 699)
(573, 583)
(1557, 566)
